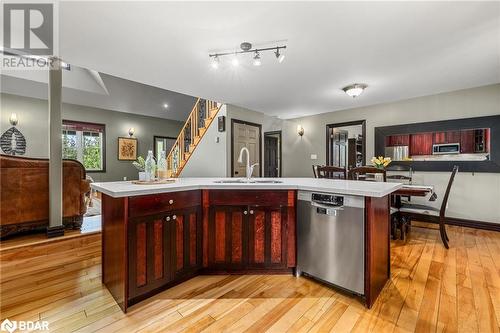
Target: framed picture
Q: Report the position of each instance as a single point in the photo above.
(127, 149)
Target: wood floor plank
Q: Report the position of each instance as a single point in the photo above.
(431, 290)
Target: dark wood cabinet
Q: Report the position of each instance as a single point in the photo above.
(150, 262)
(267, 237)
(187, 241)
(467, 142)
(446, 137)
(166, 246)
(253, 236)
(421, 144)
(228, 237)
(398, 140)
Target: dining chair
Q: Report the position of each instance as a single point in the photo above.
(330, 172)
(409, 209)
(360, 173)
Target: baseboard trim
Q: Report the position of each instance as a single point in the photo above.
(56, 231)
(458, 222)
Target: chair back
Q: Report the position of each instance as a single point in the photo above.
(330, 172)
(447, 193)
(355, 173)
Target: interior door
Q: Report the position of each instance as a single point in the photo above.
(246, 135)
(271, 168)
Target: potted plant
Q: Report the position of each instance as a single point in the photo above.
(140, 165)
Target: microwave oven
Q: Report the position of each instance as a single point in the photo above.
(446, 148)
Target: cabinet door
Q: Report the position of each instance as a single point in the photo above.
(149, 254)
(267, 242)
(187, 241)
(467, 141)
(227, 237)
(421, 144)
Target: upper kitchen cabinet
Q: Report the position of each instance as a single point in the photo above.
(473, 144)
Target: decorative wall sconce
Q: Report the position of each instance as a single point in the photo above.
(13, 119)
(131, 131)
(300, 130)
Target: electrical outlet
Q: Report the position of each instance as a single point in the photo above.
(314, 157)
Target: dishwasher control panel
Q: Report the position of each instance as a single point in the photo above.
(328, 199)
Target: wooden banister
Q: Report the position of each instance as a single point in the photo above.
(193, 120)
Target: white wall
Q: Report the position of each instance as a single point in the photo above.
(474, 196)
(209, 159)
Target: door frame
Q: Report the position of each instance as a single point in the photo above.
(281, 153)
(347, 123)
(233, 121)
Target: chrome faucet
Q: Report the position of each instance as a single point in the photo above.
(249, 168)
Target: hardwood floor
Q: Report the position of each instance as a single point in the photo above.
(431, 290)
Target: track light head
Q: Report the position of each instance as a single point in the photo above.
(256, 59)
(215, 62)
(279, 56)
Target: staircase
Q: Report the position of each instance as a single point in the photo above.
(200, 118)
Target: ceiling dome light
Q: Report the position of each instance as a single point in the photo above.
(279, 56)
(215, 62)
(256, 59)
(354, 90)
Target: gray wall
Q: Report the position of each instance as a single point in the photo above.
(268, 124)
(33, 114)
(474, 196)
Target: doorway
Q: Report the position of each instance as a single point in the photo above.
(346, 144)
(272, 154)
(245, 134)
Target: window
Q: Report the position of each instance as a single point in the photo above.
(85, 143)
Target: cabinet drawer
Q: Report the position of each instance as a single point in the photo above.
(157, 203)
(249, 197)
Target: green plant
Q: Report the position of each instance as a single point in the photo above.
(140, 164)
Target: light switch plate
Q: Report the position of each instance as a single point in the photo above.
(314, 157)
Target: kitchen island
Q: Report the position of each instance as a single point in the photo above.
(157, 236)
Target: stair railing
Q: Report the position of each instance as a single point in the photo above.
(189, 135)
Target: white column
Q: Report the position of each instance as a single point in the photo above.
(55, 150)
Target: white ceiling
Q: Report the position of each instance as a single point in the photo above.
(89, 88)
(400, 49)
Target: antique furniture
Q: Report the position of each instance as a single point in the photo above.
(329, 172)
(25, 194)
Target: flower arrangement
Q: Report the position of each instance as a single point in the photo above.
(381, 162)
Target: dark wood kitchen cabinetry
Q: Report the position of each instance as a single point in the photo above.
(250, 230)
(267, 237)
(164, 241)
(421, 144)
(447, 137)
(398, 140)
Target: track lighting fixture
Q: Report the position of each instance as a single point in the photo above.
(256, 59)
(246, 47)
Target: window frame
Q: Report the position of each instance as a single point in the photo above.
(103, 150)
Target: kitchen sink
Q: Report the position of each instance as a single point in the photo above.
(251, 181)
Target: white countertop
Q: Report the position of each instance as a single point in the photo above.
(349, 187)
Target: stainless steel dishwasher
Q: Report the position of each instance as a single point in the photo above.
(331, 239)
